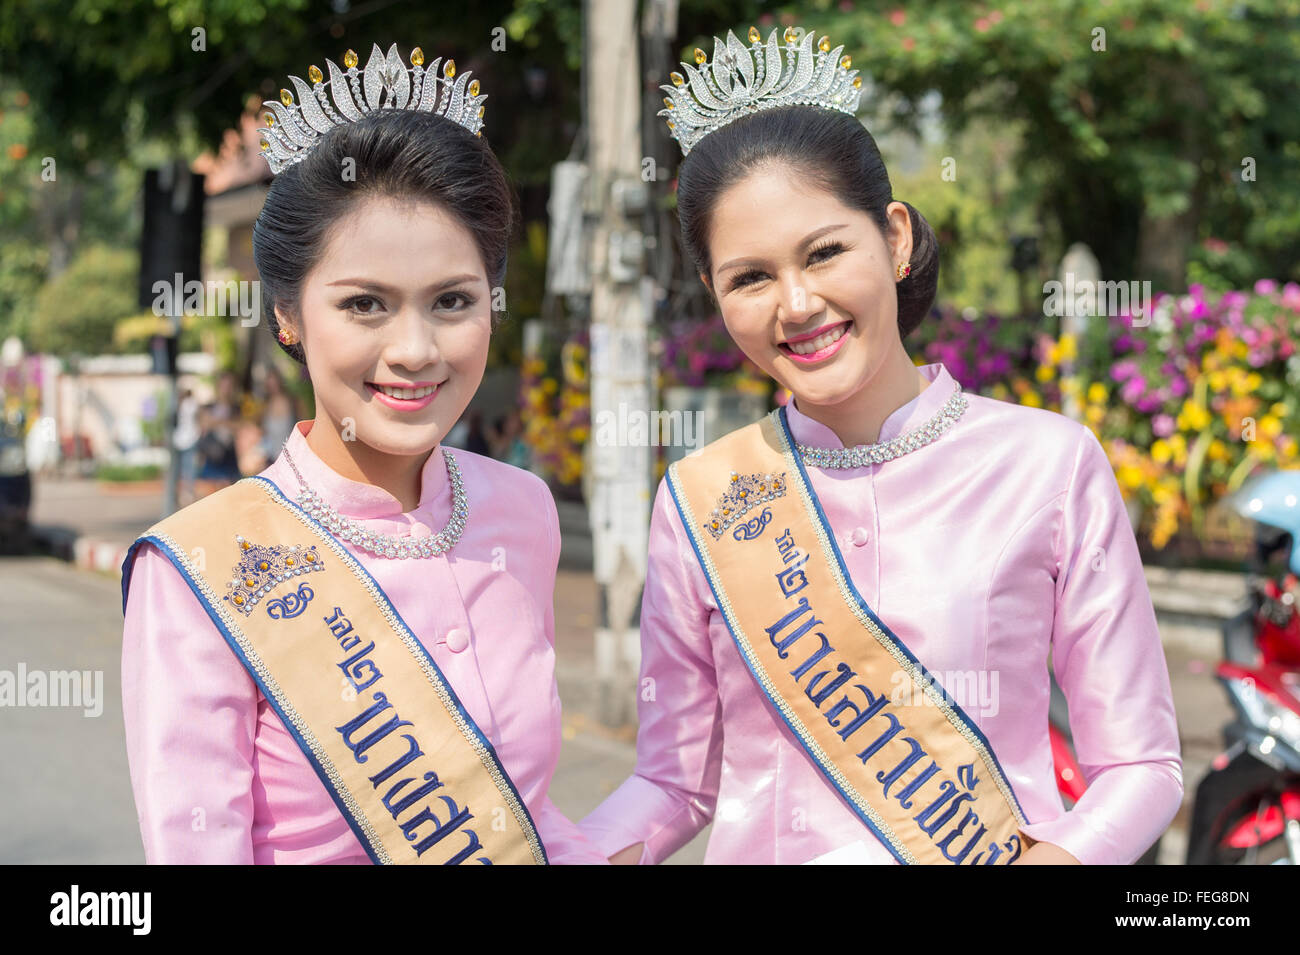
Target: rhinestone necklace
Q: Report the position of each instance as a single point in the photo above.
(866, 454)
(392, 545)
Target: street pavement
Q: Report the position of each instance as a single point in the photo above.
(65, 774)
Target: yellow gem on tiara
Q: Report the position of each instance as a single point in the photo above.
(265, 144)
(417, 57)
(286, 97)
(349, 59)
(473, 88)
(737, 81)
(268, 118)
(450, 69)
(314, 74)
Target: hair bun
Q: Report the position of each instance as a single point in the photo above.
(916, 293)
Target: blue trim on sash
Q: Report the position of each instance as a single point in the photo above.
(234, 645)
(839, 559)
(690, 533)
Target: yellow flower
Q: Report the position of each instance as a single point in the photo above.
(1068, 348)
(1218, 380)
(1161, 452)
(1193, 417)
(1097, 393)
(1129, 476)
(1218, 451)
(1043, 373)
(1270, 426)
(1031, 398)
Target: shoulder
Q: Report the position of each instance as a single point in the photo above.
(1024, 435)
(500, 477)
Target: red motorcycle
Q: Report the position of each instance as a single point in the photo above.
(1247, 808)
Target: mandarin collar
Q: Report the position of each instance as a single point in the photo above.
(913, 414)
(356, 498)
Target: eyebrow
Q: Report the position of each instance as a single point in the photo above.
(808, 240)
(372, 286)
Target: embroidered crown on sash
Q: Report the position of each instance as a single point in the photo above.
(263, 566)
(744, 492)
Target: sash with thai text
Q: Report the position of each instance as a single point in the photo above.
(414, 777)
(923, 778)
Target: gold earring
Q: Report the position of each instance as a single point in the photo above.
(904, 270)
(287, 337)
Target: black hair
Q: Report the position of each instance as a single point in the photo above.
(399, 154)
(832, 150)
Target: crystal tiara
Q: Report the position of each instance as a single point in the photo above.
(293, 128)
(741, 81)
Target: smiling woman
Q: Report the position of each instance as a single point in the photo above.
(350, 656)
(825, 585)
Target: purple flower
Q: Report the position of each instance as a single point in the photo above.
(1133, 389)
(1162, 425)
(1265, 287)
(1124, 370)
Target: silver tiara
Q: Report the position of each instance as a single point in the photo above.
(741, 81)
(292, 129)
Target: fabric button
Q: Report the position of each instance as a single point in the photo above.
(859, 536)
(457, 639)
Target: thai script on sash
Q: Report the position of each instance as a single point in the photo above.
(422, 827)
(946, 820)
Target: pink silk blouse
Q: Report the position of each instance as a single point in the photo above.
(1002, 541)
(217, 777)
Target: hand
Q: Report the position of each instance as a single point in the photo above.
(629, 856)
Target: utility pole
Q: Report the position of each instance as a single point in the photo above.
(616, 201)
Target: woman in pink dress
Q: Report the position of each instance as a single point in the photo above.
(379, 246)
(986, 536)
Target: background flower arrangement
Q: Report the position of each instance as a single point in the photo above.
(1187, 406)
(556, 410)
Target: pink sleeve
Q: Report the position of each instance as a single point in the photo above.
(1109, 661)
(672, 794)
(190, 711)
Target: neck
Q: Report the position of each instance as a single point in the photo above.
(399, 475)
(857, 419)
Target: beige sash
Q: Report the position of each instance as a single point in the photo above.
(922, 776)
(414, 777)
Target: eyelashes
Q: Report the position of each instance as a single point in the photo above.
(820, 253)
(350, 304)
